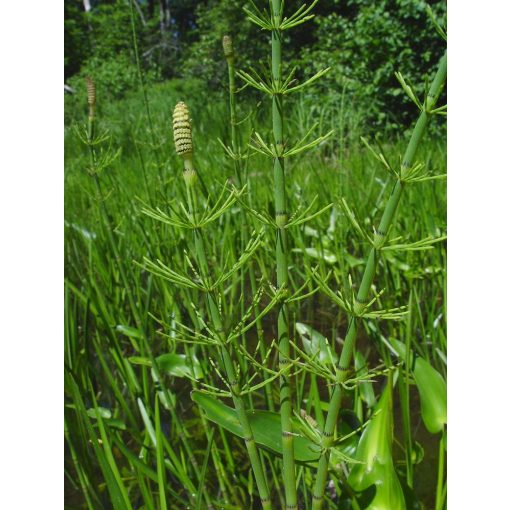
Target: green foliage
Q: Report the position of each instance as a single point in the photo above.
(97, 301)
(114, 78)
(365, 43)
(170, 287)
(111, 30)
(76, 37)
(204, 57)
(374, 453)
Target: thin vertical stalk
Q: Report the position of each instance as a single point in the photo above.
(282, 275)
(440, 488)
(184, 147)
(230, 371)
(366, 283)
(404, 383)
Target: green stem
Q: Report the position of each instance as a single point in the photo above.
(404, 383)
(366, 283)
(440, 473)
(228, 365)
(282, 276)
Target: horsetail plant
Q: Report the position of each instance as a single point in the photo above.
(215, 304)
(409, 171)
(276, 87)
(184, 148)
(282, 270)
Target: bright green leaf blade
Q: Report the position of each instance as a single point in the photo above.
(265, 425)
(174, 364)
(375, 454)
(130, 332)
(432, 389)
(140, 360)
(102, 411)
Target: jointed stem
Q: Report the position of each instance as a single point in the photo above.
(366, 283)
(282, 277)
(228, 365)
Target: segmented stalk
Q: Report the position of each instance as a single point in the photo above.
(184, 147)
(366, 283)
(91, 96)
(282, 276)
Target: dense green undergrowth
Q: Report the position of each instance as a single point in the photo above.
(135, 438)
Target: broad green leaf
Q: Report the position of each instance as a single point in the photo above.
(106, 415)
(266, 428)
(178, 365)
(173, 364)
(265, 425)
(325, 255)
(116, 423)
(309, 231)
(376, 463)
(432, 389)
(315, 344)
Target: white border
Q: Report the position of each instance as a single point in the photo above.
(478, 255)
(31, 266)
